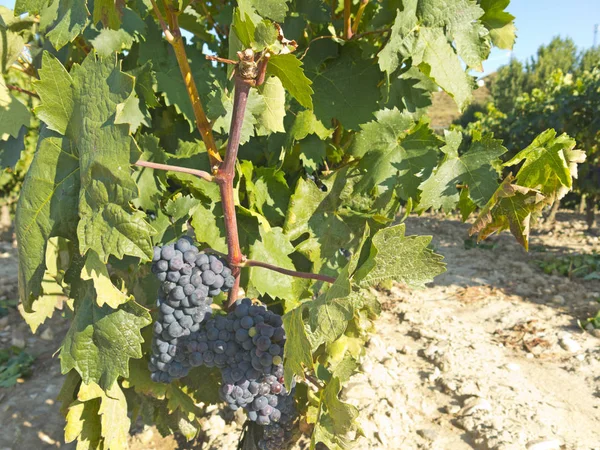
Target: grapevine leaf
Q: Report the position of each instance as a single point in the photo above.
(139, 379)
(549, 164)
(68, 391)
(207, 222)
(306, 123)
(289, 70)
(412, 90)
(268, 192)
(83, 424)
(270, 119)
(70, 21)
(346, 88)
(11, 45)
(109, 41)
(129, 113)
(178, 399)
(330, 313)
(466, 206)
(254, 109)
(297, 350)
(317, 214)
(265, 34)
(106, 292)
(13, 114)
(313, 152)
(47, 207)
(439, 63)
(423, 32)
(105, 11)
(336, 419)
(29, 6)
(108, 225)
(55, 89)
(273, 247)
(393, 147)
(512, 207)
(244, 28)
(476, 168)
(202, 383)
(114, 421)
(101, 340)
(273, 9)
(499, 22)
(151, 183)
(405, 259)
(10, 149)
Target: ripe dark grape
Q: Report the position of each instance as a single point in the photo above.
(283, 430)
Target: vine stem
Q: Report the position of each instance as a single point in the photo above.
(199, 173)
(224, 177)
(359, 13)
(293, 273)
(24, 91)
(173, 36)
(347, 19)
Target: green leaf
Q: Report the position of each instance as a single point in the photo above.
(410, 91)
(336, 419)
(105, 11)
(307, 123)
(207, 222)
(439, 63)
(106, 292)
(499, 22)
(129, 113)
(313, 152)
(254, 109)
(52, 292)
(394, 148)
(270, 119)
(423, 32)
(476, 168)
(274, 247)
(11, 45)
(466, 206)
(346, 88)
(47, 207)
(13, 114)
(10, 149)
(289, 70)
(512, 207)
(108, 224)
(330, 313)
(101, 340)
(549, 164)
(55, 89)
(109, 41)
(405, 259)
(29, 6)
(273, 9)
(315, 212)
(268, 192)
(297, 351)
(265, 34)
(70, 21)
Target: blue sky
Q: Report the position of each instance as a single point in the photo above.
(537, 22)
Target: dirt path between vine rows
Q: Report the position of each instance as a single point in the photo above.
(489, 356)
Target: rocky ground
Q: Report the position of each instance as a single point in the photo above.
(489, 356)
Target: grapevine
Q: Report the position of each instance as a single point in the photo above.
(216, 189)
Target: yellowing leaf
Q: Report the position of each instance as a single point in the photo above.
(106, 292)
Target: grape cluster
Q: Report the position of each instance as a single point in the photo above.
(189, 281)
(279, 435)
(247, 345)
